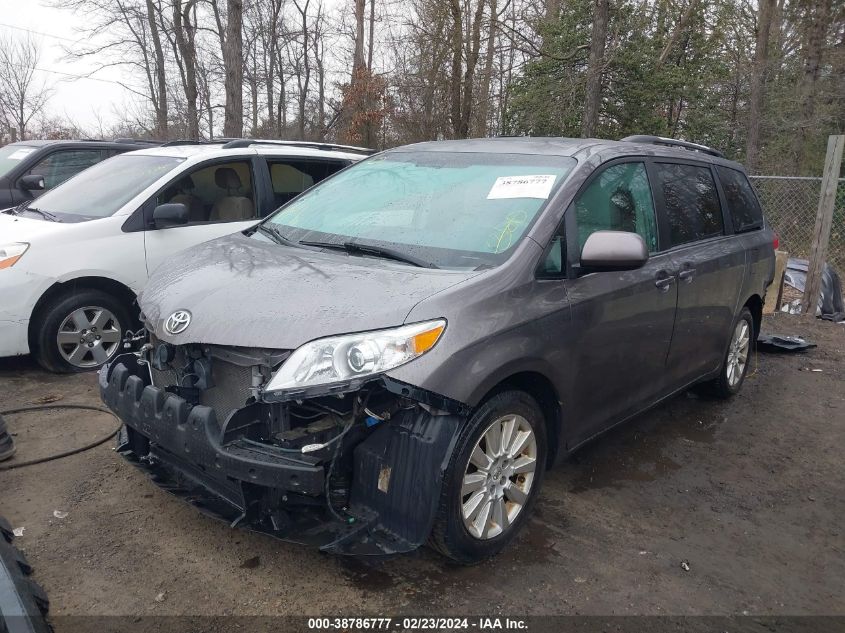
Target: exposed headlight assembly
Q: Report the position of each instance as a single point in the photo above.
(11, 253)
(340, 358)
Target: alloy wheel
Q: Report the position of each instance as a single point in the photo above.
(738, 352)
(89, 336)
(498, 477)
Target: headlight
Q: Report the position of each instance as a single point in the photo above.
(11, 253)
(339, 358)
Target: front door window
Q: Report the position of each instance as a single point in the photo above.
(215, 193)
(619, 199)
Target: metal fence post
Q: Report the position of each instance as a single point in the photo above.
(824, 221)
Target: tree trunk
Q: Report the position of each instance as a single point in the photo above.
(272, 46)
(457, 57)
(595, 63)
(676, 32)
(160, 72)
(758, 83)
(473, 52)
(482, 127)
(233, 62)
(816, 25)
(372, 42)
(305, 79)
(358, 56)
(185, 32)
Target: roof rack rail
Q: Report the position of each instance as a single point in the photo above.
(671, 142)
(188, 141)
(246, 142)
(137, 141)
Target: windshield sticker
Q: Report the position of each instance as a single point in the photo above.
(522, 187)
(20, 154)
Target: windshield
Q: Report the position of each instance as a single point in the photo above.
(12, 155)
(101, 190)
(453, 209)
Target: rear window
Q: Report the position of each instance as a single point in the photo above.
(692, 204)
(742, 203)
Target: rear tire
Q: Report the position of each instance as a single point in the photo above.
(80, 331)
(737, 359)
(493, 478)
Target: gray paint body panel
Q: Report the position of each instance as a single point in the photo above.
(608, 342)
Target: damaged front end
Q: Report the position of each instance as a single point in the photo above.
(354, 468)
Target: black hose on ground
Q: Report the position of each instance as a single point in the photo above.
(67, 453)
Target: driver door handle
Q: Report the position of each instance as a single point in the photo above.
(663, 283)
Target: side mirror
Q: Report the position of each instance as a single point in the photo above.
(614, 250)
(170, 214)
(32, 182)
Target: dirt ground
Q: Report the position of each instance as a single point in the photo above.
(747, 493)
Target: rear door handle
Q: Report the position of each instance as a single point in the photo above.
(687, 274)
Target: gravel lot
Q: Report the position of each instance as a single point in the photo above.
(748, 493)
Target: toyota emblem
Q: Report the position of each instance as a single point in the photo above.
(177, 322)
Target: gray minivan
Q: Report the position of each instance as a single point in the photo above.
(396, 356)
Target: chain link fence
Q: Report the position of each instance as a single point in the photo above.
(790, 204)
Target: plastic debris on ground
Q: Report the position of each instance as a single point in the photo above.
(59, 514)
(831, 305)
(685, 565)
(18, 531)
(774, 343)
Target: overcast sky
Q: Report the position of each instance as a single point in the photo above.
(80, 99)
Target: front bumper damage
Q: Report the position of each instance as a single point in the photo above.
(372, 488)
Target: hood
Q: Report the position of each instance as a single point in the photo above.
(246, 292)
(14, 228)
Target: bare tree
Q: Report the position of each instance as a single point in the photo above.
(233, 62)
(303, 63)
(760, 69)
(22, 96)
(122, 30)
(184, 32)
(159, 70)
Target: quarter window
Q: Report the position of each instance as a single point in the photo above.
(619, 199)
(692, 204)
(742, 203)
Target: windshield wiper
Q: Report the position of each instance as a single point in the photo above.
(45, 214)
(275, 234)
(367, 249)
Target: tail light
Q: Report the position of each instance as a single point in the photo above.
(776, 241)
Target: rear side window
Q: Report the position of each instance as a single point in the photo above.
(692, 204)
(742, 203)
(291, 177)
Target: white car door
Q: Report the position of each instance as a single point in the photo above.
(221, 197)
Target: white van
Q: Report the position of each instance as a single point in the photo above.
(73, 260)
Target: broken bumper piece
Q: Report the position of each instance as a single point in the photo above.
(388, 477)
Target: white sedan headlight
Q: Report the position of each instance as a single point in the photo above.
(340, 358)
(11, 253)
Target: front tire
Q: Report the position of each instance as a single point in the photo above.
(80, 331)
(493, 478)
